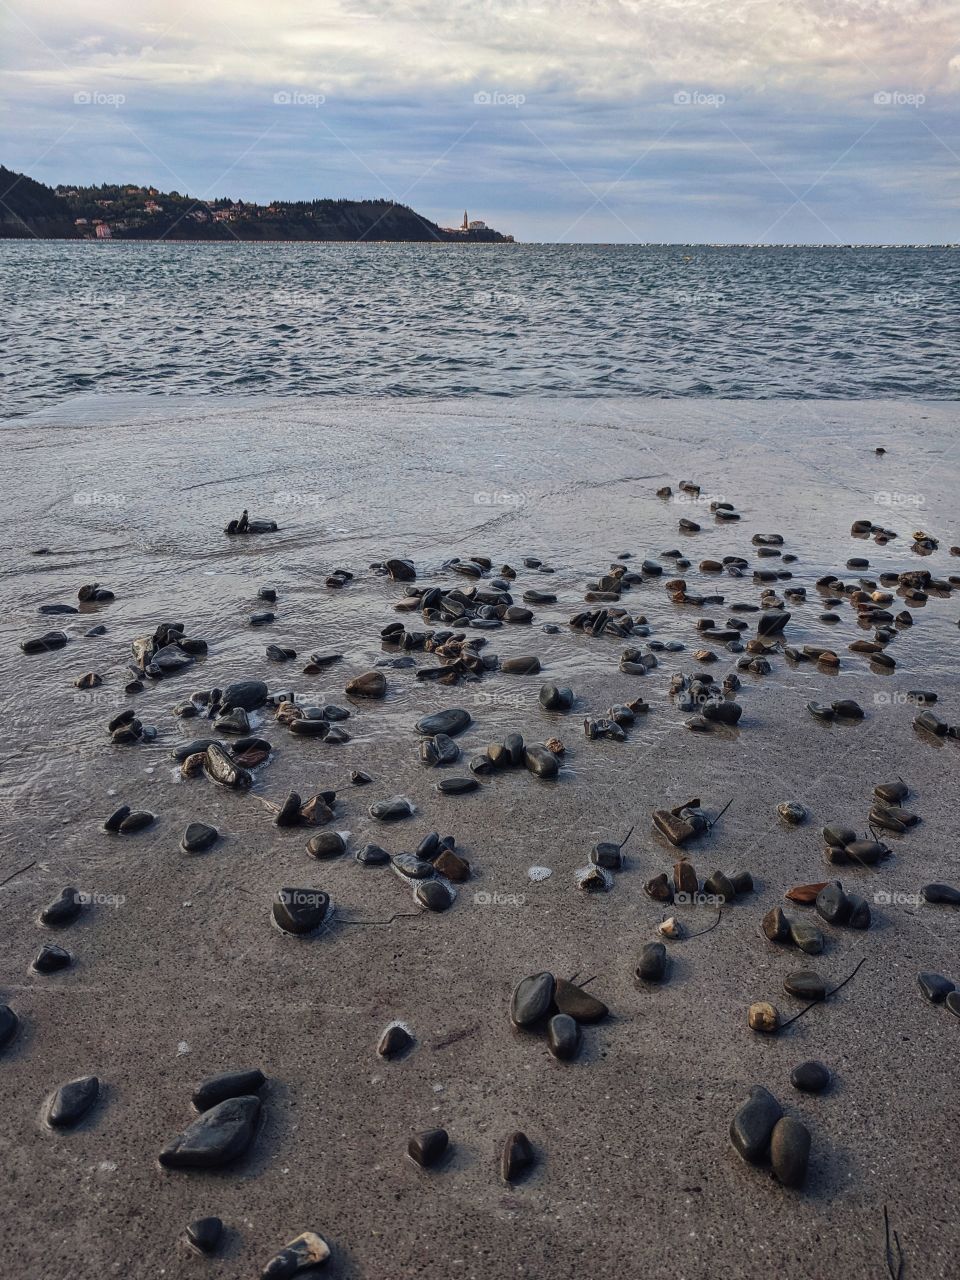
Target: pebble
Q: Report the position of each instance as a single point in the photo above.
(762, 1016)
(228, 1084)
(790, 1151)
(71, 1102)
(300, 911)
(457, 786)
(752, 1126)
(395, 1041)
(450, 722)
(540, 761)
(51, 959)
(526, 666)
(371, 855)
(220, 768)
(392, 810)
(952, 1002)
(218, 1137)
(204, 1234)
(563, 1036)
(810, 1077)
(652, 966)
(532, 999)
(517, 1157)
(428, 1147)
(805, 985)
(408, 864)
(941, 893)
(326, 844)
(62, 910)
(452, 867)
(9, 1026)
(304, 1253)
(554, 698)
(935, 987)
(372, 684)
(792, 812)
(434, 895)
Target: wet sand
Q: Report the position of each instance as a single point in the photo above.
(185, 976)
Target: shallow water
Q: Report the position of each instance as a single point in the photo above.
(527, 320)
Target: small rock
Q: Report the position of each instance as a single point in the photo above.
(579, 1004)
(764, 1017)
(71, 1102)
(51, 959)
(392, 810)
(300, 910)
(805, 985)
(428, 1147)
(563, 1036)
(372, 684)
(394, 1041)
(62, 910)
(305, 1252)
(204, 1234)
(434, 895)
(198, 837)
(752, 1127)
(228, 1084)
(326, 844)
(532, 999)
(790, 1151)
(517, 1157)
(219, 1136)
(810, 1076)
(652, 966)
(935, 987)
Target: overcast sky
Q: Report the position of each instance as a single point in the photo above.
(576, 120)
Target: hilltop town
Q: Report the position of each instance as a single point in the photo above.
(127, 212)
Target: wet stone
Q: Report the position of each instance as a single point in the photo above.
(579, 1004)
(71, 1102)
(805, 985)
(372, 684)
(517, 1157)
(457, 786)
(752, 1126)
(450, 722)
(935, 987)
(300, 911)
(532, 999)
(810, 1077)
(452, 867)
(434, 895)
(414, 868)
(427, 1148)
(62, 910)
(941, 893)
(392, 810)
(540, 761)
(51, 959)
(792, 812)
(790, 1151)
(219, 1137)
(9, 1026)
(204, 1234)
(305, 1253)
(525, 666)
(396, 1040)
(326, 844)
(563, 1036)
(228, 1084)
(372, 855)
(652, 966)
(952, 1002)
(806, 936)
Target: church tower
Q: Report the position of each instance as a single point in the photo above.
(466, 224)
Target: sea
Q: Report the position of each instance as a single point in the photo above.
(414, 320)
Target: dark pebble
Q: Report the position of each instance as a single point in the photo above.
(228, 1084)
(204, 1234)
(427, 1148)
(51, 959)
(563, 1036)
(62, 910)
(451, 722)
(805, 985)
(935, 987)
(810, 1077)
(532, 999)
(71, 1102)
(219, 1136)
(517, 1157)
(394, 1041)
(392, 810)
(326, 844)
(300, 910)
(434, 895)
(652, 966)
(371, 855)
(752, 1127)
(790, 1151)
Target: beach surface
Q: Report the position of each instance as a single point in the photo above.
(178, 973)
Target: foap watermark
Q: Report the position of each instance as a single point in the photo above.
(499, 499)
(698, 298)
(892, 698)
(891, 898)
(94, 98)
(682, 899)
(897, 98)
(485, 899)
(297, 498)
(891, 498)
(486, 699)
(297, 98)
(901, 301)
(95, 498)
(98, 698)
(496, 98)
(697, 98)
(93, 299)
(87, 899)
(696, 499)
(499, 299)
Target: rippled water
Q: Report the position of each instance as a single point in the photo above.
(415, 320)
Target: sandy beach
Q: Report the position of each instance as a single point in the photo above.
(178, 973)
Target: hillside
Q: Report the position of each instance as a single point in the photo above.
(143, 213)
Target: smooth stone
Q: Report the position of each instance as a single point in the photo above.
(935, 987)
(790, 1151)
(220, 768)
(309, 727)
(526, 666)
(134, 822)
(219, 1136)
(810, 1077)
(659, 888)
(763, 1016)
(235, 721)
(832, 904)
(71, 1102)
(452, 867)
(791, 812)
(805, 985)
(439, 750)
(517, 1157)
(9, 1026)
(554, 698)
(434, 895)
(401, 569)
(563, 1036)
(541, 761)
(605, 854)
(392, 810)
(952, 1003)
(532, 999)
(62, 910)
(941, 893)
(579, 1004)
(204, 1234)
(198, 837)
(51, 959)
(394, 1041)
(450, 722)
(652, 966)
(806, 936)
(195, 747)
(720, 886)
(752, 1126)
(300, 910)
(372, 684)
(408, 864)
(428, 1147)
(776, 926)
(247, 694)
(305, 1252)
(228, 1084)
(457, 786)
(112, 823)
(46, 643)
(860, 915)
(371, 855)
(326, 844)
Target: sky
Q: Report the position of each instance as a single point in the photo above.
(807, 121)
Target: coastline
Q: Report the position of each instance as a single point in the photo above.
(633, 1132)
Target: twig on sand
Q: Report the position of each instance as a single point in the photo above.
(712, 824)
(708, 928)
(400, 915)
(895, 1272)
(14, 874)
